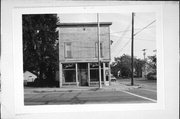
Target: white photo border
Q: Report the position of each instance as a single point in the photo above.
(20, 108)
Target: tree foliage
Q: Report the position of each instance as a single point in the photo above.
(40, 51)
(151, 67)
(123, 64)
(152, 62)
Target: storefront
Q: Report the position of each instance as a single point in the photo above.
(84, 74)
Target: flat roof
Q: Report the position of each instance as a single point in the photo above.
(84, 24)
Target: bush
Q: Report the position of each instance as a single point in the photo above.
(44, 83)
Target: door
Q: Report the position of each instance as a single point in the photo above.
(83, 74)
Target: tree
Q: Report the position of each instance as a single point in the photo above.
(40, 53)
(152, 62)
(139, 63)
(123, 64)
(151, 68)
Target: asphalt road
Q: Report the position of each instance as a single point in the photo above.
(83, 98)
(145, 94)
(148, 88)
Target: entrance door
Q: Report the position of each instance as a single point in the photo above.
(83, 74)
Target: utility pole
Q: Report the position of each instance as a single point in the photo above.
(132, 51)
(155, 51)
(99, 52)
(144, 53)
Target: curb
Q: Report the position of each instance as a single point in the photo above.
(119, 87)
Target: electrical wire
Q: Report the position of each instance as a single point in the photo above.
(145, 27)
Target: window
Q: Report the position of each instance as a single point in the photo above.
(94, 72)
(69, 71)
(96, 49)
(68, 50)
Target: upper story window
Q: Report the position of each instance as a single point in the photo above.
(68, 50)
(96, 49)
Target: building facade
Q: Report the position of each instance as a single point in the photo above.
(78, 54)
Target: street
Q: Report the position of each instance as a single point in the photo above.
(148, 88)
(119, 92)
(83, 98)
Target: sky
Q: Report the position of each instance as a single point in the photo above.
(120, 31)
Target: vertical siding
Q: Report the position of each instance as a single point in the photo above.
(83, 41)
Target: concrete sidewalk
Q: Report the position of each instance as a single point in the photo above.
(115, 86)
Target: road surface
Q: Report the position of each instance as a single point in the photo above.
(84, 98)
(146, 93)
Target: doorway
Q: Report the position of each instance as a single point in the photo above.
(83, 74)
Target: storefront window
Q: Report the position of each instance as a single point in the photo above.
(94, 72)
(69, 71)
(94, 75)
(106, 64)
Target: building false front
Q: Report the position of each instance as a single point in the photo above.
(78, 54)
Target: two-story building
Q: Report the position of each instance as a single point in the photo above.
(78, 53)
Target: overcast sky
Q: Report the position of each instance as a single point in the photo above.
(120, 31)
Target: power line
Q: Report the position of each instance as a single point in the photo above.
(135, 34)
(141, 39)
(144, 27)
(125, 45)
(125, 31)
(118, 41)
(120, 50)
(145, 40)
(129, 42)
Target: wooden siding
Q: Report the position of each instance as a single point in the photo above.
(83, 40)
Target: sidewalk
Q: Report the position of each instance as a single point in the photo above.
(115, 86)
(141, 82)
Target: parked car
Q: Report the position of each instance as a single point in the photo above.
(113, 78)
(151, 76)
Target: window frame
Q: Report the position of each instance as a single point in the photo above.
(66, 51)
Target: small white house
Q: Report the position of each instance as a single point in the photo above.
(29, 77)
